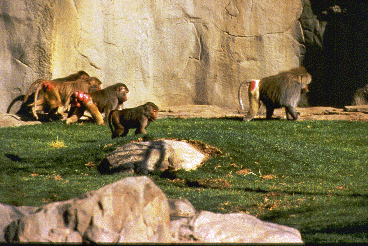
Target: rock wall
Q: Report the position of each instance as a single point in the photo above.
(169, 52)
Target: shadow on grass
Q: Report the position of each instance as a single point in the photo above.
(197, 184)
(240, 118)
(342, 218)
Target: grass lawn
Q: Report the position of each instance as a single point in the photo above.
(310, 175)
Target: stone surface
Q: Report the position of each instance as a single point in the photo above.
(145, 157)
(8, 120)
(358, 108)
(240, 228)
(130, 210)
(169, 52)
(181, 208)
(11, 213)
(134, 210)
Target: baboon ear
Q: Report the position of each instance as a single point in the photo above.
(305, 79)
(84, 76)
(123, 89)
(147, 107)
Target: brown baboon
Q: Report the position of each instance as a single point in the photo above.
(97, 102)
(55, 94)
(361, 96)
(280, 90)
(120, 121)
(71, 77)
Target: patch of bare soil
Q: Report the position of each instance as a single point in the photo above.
(352, 113)
(312, 113)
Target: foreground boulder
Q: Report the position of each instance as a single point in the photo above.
(240, 228)
(134, 209)
(11, 213)
(145, 157)
(130, 210)
(188, 225)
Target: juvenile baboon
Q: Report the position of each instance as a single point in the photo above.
(120, 121)
(55, 94)
(280, 90)
(97, 102)
(361, 96)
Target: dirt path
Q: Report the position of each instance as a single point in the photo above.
(210, 111)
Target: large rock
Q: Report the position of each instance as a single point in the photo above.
(134, 210)
(240, 228)
(169, 52)
(187, 225)
(145, 157)
(9, 214)
(130, 210)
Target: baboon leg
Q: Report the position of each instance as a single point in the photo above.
(290, 111)
(74, 114)
(125, 132)
(288, 115)
(92, 108)
(269, 112)
(254, 102)
(252, 112)
(119, 129)
(119, 132)
(142, 127)
(52, 96)
(54, 114)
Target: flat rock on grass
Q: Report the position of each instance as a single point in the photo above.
(10, 120)
(145, 157)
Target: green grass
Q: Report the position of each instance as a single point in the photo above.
(310, 175)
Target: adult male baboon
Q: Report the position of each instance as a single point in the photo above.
(361, 96)
(97, 102)
(72, 77)
(280, 90)
(120, 121)
(55, 94)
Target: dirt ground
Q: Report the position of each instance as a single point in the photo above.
(211, 111)
(312, 113)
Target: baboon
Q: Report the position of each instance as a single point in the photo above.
(120, 121)
(97, 102)
(55, 94)
(361, 96)
(72, 77)
(280, 90)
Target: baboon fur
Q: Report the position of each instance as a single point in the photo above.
(280, 90)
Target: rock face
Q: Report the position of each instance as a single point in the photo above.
(336, 37)
(134, 209)
(169, 52)
(145, 157)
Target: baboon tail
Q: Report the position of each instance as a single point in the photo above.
(18, 98)
(34, 106)
(31, 89)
